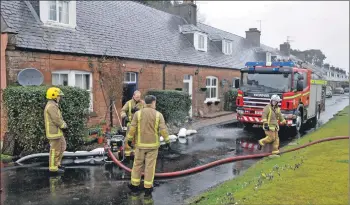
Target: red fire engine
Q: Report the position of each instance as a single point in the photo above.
(301, 90)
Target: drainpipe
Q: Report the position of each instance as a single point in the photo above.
(164, 66)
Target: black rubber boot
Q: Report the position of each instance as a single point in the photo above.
(133, 188)
(148, 192)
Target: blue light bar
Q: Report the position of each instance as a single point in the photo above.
(283, 64)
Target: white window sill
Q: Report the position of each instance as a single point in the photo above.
(213, 100)
(59, 25)
(201, 50)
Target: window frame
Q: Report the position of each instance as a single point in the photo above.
(71, 82)
(130, 81)
(45, 14)
(197, 42)
(216, 98)
(227, 47)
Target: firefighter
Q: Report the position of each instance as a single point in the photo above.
(147, 125)
(127, 113)
(271, 115)
(54, 124)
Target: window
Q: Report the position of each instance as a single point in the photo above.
(60, 79)
(62, 13)
(200, 41)
(212, 88)
(130, 77)
(227, 47)
(79, 79)
(59, 11)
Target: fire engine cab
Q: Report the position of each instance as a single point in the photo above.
(301, 90)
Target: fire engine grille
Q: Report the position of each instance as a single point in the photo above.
(256, 103)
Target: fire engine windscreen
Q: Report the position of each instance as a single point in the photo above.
(266, 82)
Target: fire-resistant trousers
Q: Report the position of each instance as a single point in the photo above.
(271, 137)
(57, 147)
(147, 157)
(127, 148)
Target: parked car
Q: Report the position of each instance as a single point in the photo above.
(346, 90)
(329, 92)
(339, 90)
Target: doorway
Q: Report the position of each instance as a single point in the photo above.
(130, 86)
(188, 87)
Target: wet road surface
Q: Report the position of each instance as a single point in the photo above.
(107, 184)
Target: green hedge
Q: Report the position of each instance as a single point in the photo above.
(174, 105)
(25, 109)
(230, 100)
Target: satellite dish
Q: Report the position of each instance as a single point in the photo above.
(30, 76)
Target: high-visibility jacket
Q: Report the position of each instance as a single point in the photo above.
(54, 122)
(126, 110)
(271, 115)
(148, 125)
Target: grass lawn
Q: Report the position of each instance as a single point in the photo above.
(318, 174)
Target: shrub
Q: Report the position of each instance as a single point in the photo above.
(25, 110)
(174, 105)
(230, 100)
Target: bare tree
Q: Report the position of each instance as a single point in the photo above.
(112, 73)
(201, 18)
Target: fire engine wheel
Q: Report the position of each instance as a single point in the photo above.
(248, 125)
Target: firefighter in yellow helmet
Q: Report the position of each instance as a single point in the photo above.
(147, 125)
(54, 124)
(127, 114)
(271, 115)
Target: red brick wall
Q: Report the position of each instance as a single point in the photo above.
(4, 39)
(150, 76)
(174, 79)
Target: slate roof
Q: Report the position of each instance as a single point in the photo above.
(124, 29)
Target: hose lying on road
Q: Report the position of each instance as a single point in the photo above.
(218, 162)
(69, 154)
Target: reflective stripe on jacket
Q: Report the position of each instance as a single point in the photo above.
(147, 125)
(271, 116)
(54, 122)
(126, 110)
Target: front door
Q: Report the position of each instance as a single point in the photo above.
(188, 83)
(130, 86)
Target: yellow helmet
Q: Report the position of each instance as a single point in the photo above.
(53, 92)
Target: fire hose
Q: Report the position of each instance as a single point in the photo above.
(219, 162)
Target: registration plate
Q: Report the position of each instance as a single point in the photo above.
(258, 112)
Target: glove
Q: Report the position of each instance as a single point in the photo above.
(125, 120)
(167, 145)
(266, 126)
(130, 144)
(134, 109)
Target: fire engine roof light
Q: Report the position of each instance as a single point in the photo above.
(279, 64)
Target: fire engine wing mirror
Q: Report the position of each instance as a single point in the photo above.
(237, 83)
(300, 86)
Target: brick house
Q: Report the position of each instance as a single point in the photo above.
(158, 50)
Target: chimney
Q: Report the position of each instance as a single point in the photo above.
(187, 10)
(285, 48)
(253, 37)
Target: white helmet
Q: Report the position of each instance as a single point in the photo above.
(275, 98)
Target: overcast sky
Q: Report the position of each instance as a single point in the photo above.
(311, 25)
